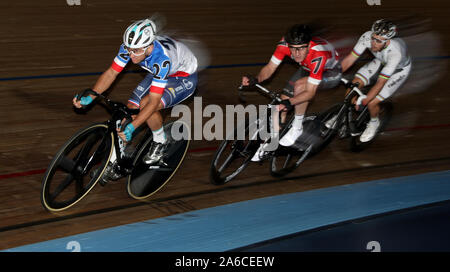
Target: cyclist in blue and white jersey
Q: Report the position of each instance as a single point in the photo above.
(172, 78)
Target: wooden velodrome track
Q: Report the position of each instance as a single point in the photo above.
(39, 38)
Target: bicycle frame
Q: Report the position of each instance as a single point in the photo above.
(271, 119)
(347, 109)
(124, 163)
(119, 112)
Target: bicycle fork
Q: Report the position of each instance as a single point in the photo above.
(118, 158)
(273, 128)
(354, 125)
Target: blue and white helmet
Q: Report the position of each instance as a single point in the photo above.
(140, 34)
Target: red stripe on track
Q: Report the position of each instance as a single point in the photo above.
(41, 171)
(22, 174)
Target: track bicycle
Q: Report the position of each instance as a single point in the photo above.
(234, 154)
(346, 121)
(80, 163)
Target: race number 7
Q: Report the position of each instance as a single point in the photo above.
(318, 63)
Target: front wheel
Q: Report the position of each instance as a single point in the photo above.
(73, 172)
(234, 154)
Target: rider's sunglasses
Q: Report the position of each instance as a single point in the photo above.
(136, 51)
(378, 40)
(298, 48)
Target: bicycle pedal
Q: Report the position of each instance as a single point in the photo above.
(103, 182)
(303, 149)
(266, 156)
(160, 168)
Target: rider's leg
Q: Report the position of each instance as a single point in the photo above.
(297, 125)
(389, 88)
(177, 90)
(300, 87)
(365, 76)
(374, 123)
(291, 86)
(155, 121)
(359, 81)
(374, 107)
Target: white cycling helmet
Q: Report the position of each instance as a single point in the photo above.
(384, 28)
(140, 34)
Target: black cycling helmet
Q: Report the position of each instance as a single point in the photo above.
(298, 34)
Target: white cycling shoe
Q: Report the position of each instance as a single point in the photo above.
(291, 136)
(259, 153)
(370, 131)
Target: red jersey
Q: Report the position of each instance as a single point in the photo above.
(321, 57)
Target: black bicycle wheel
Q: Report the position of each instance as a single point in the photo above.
(145, 180)
(316, 135)
(385, 115)
(287, 159)
(328, 132)
(70, 175)
(234, 154)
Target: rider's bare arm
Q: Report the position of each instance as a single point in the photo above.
(102, 84)
(105, 80)
(265, 73)
(348, 61)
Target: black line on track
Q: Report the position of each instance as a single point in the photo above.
(220, 189)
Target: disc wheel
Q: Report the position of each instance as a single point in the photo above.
(76, 168)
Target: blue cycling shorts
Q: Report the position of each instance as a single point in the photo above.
(176, 90)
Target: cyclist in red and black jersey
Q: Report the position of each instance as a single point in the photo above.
(320, 69)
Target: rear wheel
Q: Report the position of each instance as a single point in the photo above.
(73, 172)
(316, 135)
(146, 180)
(287, 159)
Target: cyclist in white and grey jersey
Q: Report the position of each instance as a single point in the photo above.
(392, 64)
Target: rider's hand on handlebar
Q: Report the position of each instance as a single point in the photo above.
(362, 100)
(285, 105)
(249, 80)
(76, 102)
(127, 133)
(81, 101)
